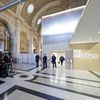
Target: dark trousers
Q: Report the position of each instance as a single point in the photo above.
(61, 63)
(37, 63)
(44, 65)
(54, 64)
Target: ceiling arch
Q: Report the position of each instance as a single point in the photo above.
(19, 9)
(8, 25)
(38, 4)
(39, 8)
(43, 11)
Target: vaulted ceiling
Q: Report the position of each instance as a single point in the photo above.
(45, 7)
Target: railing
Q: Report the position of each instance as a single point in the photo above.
(25, 58)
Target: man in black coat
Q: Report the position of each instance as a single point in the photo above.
(44, 61)
(61, 60)
(37, 60)
(54, 61)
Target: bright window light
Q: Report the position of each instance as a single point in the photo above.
(64, 23)
(39, 21)
(57, 29)
(30, 8)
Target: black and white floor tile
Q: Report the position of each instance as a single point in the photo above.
(1, 82)
(51, 84)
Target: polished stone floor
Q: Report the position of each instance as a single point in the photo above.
(50, 84)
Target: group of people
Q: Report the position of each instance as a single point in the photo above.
(5, 62)
(61, 60)
(44, 61)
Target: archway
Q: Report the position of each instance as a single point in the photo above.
(4, 37)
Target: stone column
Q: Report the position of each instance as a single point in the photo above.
(17, 37)
(30, 43)
(11, 49)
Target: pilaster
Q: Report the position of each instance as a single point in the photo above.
(17, 36)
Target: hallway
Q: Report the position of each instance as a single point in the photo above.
(51, 84)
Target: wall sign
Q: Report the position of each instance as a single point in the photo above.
(79, 54)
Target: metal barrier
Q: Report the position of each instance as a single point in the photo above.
(24, 58)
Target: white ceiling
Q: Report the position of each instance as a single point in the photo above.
(64, 22)
(89, 24)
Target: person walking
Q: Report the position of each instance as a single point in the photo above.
(37, 60)
(44, 61)
(61, 60)
(54, 61)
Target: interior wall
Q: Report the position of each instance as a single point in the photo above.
(48, 48)
(23, 43)
(69, 59)
(87, 59)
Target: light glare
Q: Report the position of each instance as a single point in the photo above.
(56, 29)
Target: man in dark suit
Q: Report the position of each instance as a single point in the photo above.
(44, 61)
(61, 60)
(54, 61)
(37, 60)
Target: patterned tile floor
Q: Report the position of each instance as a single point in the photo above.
(51, 84)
